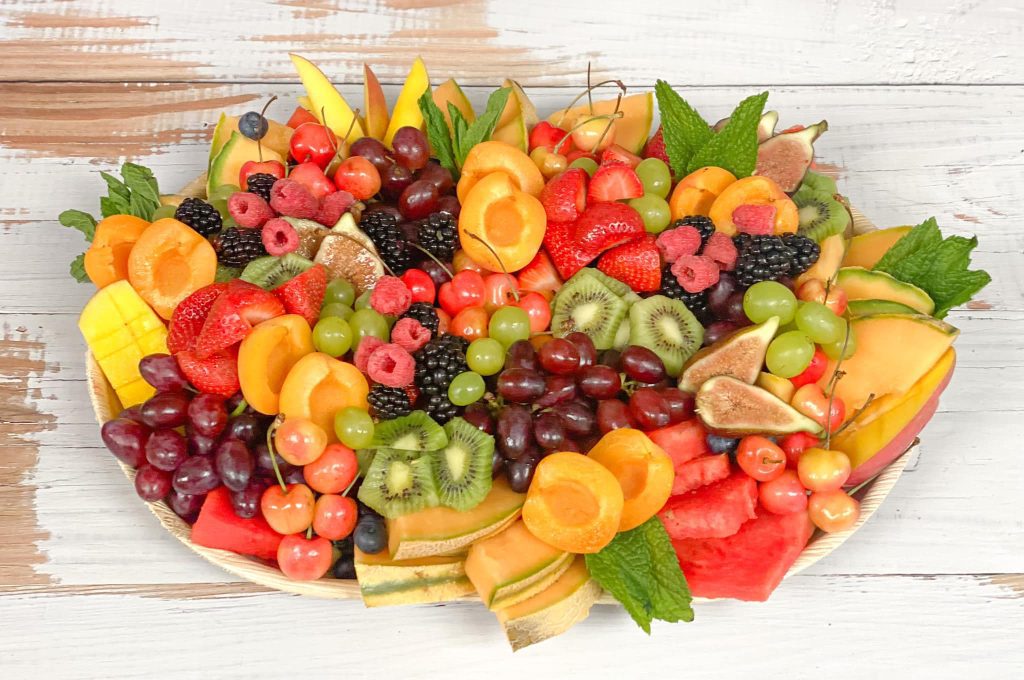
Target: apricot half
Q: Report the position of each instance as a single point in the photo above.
(755, 190)
(267, 355)
(318, 386)
(643, 469)
(696, 192)
(106, 261)
(509, 220)
(169, 262)
(488, 157)
(574, 503)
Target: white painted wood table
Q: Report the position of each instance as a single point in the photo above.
(925, 102)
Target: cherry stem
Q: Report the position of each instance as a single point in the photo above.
(350, 485)
(273, 452)
(568, 135)
(608, 127)
(586, 93)
(374, 254)
(512, 279)
(856, 414)
(309, 533)
(429, 254)
(263, 115)
(240, 409)
(836, 375)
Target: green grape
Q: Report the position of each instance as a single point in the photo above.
(223, 192)
(789, 354)
(588, 164)
(486, 356)
(509, 324)
(833, 349)
(335, 309)
(340, 290)
(466, 388)
(766, 299)
(654, 211)
(655, 177)
(354, 427)
(164, 211)
(332, 336)
(820, 323)
(363, 301)
(366, 322)
(221, 206)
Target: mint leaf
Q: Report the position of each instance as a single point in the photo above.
(957, 289)
(483, 126)
(459, 128)
(683, 129)
(922, 237)
(640, 569)
(78, 269)
(82, 221)
(735, 146)
(145, 194)
(438, 133)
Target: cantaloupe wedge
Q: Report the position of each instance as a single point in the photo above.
(513, 565)
(277, 139)
(864, 284)
(866, 249)
(631, 131)
(384, 582)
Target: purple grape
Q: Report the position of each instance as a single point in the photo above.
(372, 150)
(478, 415)
(549, 430)
(132, 413)
(449, 204)
(649, 409)
(196, 476)
(599, 381)
(199, 445)
(520, 385)
(394, 180)
(246, 428)
(234, 464)
(558, 389)
(418, 200)
(437, 175)
(514, 431)
(521, 354)
(520, 473)
(126, 439)
(165, 409)
(409, 147)
(680, 404)
(436, 272)
(719, 294)
(642, 364)
(718, 330)
(497, 464)
(578, 419)
(162, 372)
(166, 450)
(613, 414)
(585, 347)
(246, 503)
(559, 356)
(734, 309)
(294, 476)
(152, 484)
(185, 505)
(207, 414)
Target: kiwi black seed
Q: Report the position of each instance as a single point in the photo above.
(414, 432)
(585, 304)
(462, 469)
(397, 484)
(666, 327)
(271, 271)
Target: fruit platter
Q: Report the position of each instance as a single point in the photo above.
(427, 353)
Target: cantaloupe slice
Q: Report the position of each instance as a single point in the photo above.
(864, 284)
(384, 582)
(867, 249)
(631, 131)
(277, 139)
(832, 250)
(513, 565)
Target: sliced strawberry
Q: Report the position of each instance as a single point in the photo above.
(233, 314)
(188, 317)
(217, 374)
(614, 183)
(616, 155)
(602, 226)
(636, 264)
(540, 275)
(567, 254)
(565, 196)
(656, 148)
(304, 294)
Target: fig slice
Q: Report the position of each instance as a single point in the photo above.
(785, 157)
(739, 355)
(732, 407)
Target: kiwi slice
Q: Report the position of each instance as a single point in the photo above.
(414, 432)
(818, 183)
(225, 274)
(462, 469)
(666, 327)
(614, 285)
(821, 215)
(397, 485)
(621, 335)
(271, 271)
(585, 304)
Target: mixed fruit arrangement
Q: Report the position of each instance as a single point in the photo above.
(532, 360)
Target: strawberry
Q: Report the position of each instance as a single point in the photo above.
(656, 147)
(217, 374)
(540, 275)
(616, 155)
(188, 317)
(567, 254)
(240, 307)
(565, 195)
(603, 226)
(636, 264)
(304, 294)
(614, 183)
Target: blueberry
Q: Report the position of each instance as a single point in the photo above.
(371, 534)
(722, 444)
(345, 567)
(253, 125)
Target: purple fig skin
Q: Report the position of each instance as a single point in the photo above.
(786, 157)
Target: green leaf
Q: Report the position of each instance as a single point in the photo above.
(483, 126)
(460, 128)
(683, 129)
(957, 289)
(115, 187)
(735, 146)
(640, 569)
(82, 221)
(438, 133)
(922, 237)
(78, 269)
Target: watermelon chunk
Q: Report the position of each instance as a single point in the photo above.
(219, 527)
(713, 511)
(683, 441)
(749, 564)
(699, 472)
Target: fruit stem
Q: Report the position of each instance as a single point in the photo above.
(309, 533)
(608, 127)
(263, 114)
(240, 409)
(606, 116)
(836, 375)
(512, 279)
(273, 452)
(856, 414)
(586, 93)
(429, 254)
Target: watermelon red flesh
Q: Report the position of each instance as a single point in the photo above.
(713, 511)
(683, 441)
(219, 527)
(699, 472)
(749, 564)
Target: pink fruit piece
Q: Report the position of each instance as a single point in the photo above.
(695, 272)
(713, 511)
(333, 206)
(249, 210)
(391, 365)
(756, 220)
(391, 297)
(410, 334)
(366, 347)
(291, 199)
(279, 237)
(722, 250)
(678, 242)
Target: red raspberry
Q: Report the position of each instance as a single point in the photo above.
(410, 334)
(291, 199)
(333, 206)
(756, 220)
(279, 237)
(249, 210)
(678, 242)
(366, 347)
(391, 365)
(390, 296)
(695, 272)
(722, 250)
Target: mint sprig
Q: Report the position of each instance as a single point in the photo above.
(640, 569)
(437, 133)
(683, 129)
(452, 146)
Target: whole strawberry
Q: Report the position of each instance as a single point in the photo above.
(636, 264)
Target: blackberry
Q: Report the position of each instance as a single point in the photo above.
(438, 362)
(702, 224)
(238, 247)
(806, 252)
(762, 258)
(438, 234)
(200, 215)
(382, 228)
(697, 303)
(387, 403)
(440, 408)
(260, 184)
(425, 314)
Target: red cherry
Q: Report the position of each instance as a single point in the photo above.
(304, 559)
(334, 516)
(814, 370)
(812, 401)
(250, 168)
(420, 285)
(466, 289)
(311, 176)
(315, 143)
(358, 176)
(795, 444)
(537, 308)
(545, 135)
(287, 511)
(300, 116)
(498, 291)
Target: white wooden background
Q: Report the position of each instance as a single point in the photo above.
(925, 101)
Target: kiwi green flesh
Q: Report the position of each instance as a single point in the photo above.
(462, 470)
(414, 432)
(666, 327)
(612, 284)
(396, 485)
(821, 215)
(819, 183)
(587, 305)
(271, 271)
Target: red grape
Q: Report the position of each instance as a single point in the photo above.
(558, 389)
(437, 175)
(497, 464)
(450, 204)
(436, 272)
(394, 181)
(196, 476)
(680, 404)
(613, 414)
(166, 450)
(261, 452)
(718, 330)
(642, 364)
(585, 347)
(247, 428)
(132, 413)
(514, 431)
(520, 385)
(234, 464)
(372, 150)
(162, 372)
(649, 409)
(409, 147)
(734, 309)
(719, 294)
(152, 484)
(559, 356)
(246, 503)
(520, 473)
(577, 418)
(521, 354)
(479, 416)
(549, 430)
(207, 414)
(600, 381)
(165, 409)
(418, 200)
(126, 439)
(185, 505)
(199, 445)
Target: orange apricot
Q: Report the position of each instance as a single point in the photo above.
(696, 192)
(644, 471)
(106, 261)
(318, 386)
(266, 356)
(510, 221)
(574, 503)
(168, 263)
(754, 190)
(489, 157)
